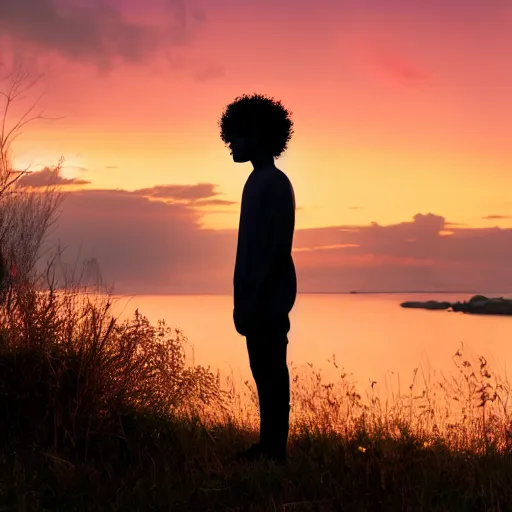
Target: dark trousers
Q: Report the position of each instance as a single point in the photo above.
(267, 357)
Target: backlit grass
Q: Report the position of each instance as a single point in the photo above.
(102, 414)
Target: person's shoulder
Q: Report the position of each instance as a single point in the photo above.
(278, 189)
(282, 176)
(279, 181)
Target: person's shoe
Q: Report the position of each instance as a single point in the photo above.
(254, 453)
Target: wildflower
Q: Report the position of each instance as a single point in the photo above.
(362, 449)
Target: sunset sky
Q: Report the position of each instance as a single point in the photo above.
(401, 159)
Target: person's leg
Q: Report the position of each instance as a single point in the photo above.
(267, 357)
(257, 364)
(257, 352)
(276, 390)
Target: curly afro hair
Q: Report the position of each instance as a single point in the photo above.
(258, 114)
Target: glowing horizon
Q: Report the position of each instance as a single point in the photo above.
(399, 110)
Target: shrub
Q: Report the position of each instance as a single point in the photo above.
(69, 369)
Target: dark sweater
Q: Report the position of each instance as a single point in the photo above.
(265, 283)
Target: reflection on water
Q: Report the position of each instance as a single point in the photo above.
(371, 337)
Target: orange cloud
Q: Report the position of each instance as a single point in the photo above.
(496, 217)
(198, 192)
(45, 177)
(324, 247)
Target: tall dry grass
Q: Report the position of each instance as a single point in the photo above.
(102, 414)
(468, 409)
(66, 359)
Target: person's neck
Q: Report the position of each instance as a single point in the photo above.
(262, 163)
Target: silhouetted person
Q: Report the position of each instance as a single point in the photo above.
(257, 129)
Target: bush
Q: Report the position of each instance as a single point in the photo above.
(69, 370)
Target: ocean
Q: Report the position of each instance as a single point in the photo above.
(370, 336)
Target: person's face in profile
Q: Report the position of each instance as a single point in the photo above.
(243, 148)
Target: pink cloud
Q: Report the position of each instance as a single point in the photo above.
(420, 254)
(399, 71)
(147, 246)
(142, 245)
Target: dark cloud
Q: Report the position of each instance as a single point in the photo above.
(148, 246)
(93, 31)
(496, 217)
(47, 177)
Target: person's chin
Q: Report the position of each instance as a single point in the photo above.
(239, 158)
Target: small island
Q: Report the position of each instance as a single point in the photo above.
(478, 304)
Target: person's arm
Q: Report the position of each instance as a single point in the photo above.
(270, 237)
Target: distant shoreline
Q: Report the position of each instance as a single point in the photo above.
(397, 292)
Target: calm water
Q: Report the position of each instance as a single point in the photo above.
(370, 335)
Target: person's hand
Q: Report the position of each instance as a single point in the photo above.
(241, 320)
